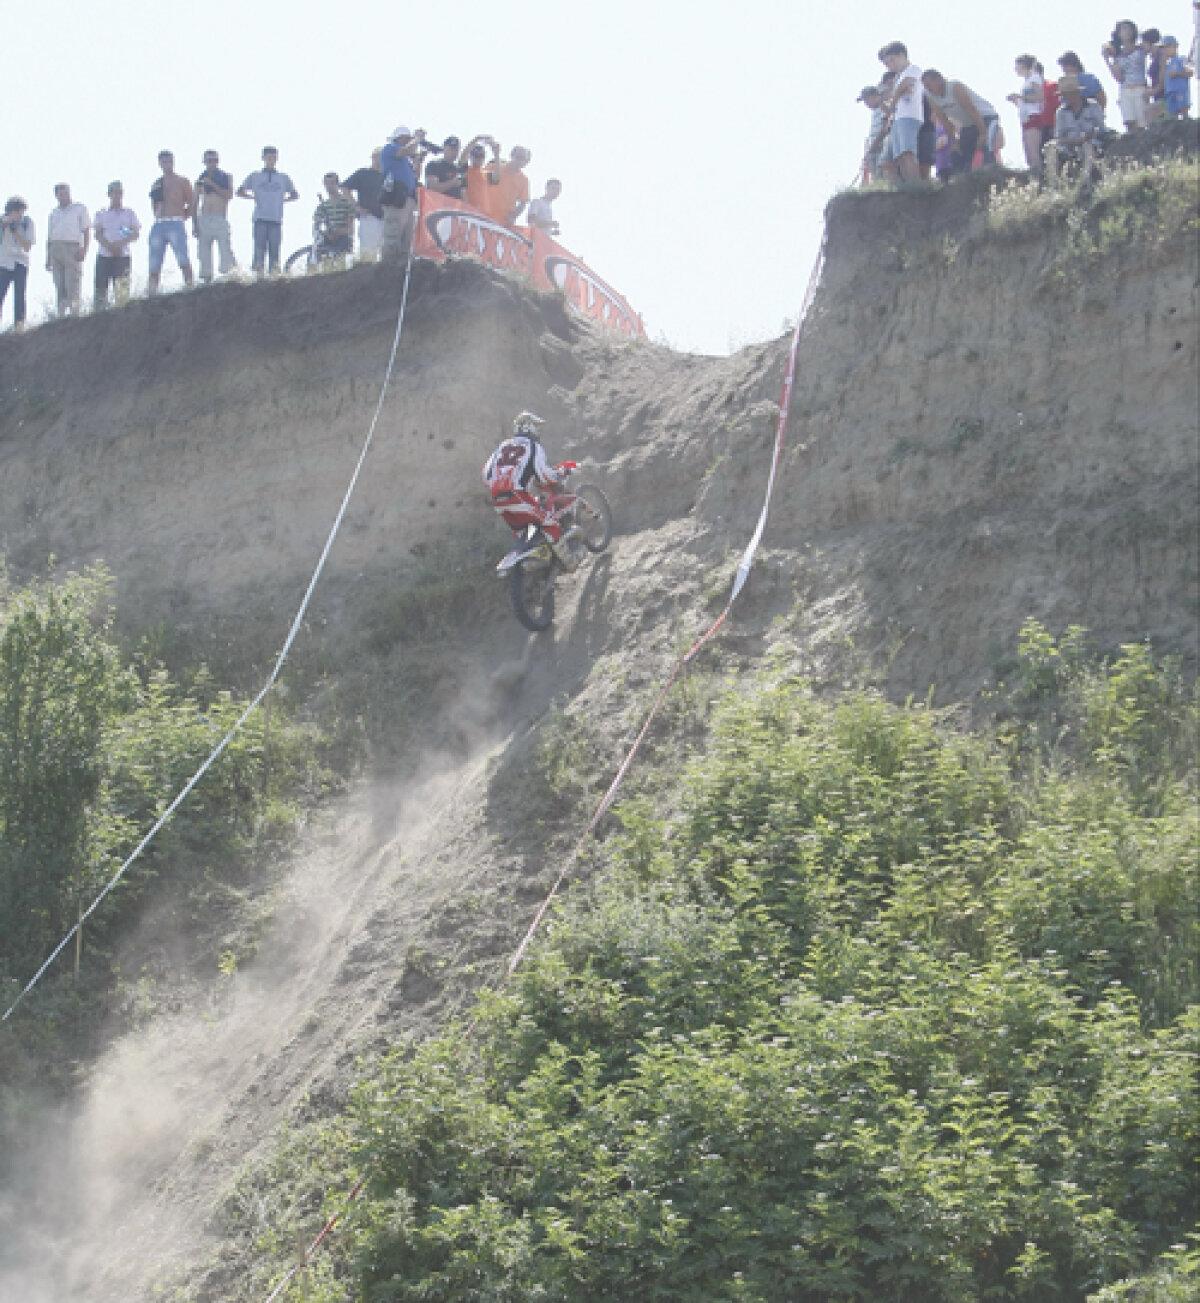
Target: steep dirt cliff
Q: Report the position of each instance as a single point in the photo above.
(991, 421)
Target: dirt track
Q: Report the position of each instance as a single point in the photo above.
(959, 459)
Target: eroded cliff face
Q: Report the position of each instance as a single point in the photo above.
(977, 437)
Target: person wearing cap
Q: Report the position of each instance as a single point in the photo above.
(1078, 126)
(399, 160)
(444, 176)
(1176, 80)
(17, 237)
(906, 103)
(969, 120)
(116, 228)
(366, 185)
(508, 186)
(68, 236)
(270, 189)
(872, 97)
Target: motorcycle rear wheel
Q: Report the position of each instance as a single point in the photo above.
(593, 515)
(531, 590)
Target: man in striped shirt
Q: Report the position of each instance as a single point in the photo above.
(334, 218)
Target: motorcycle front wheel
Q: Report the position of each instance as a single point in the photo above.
(531, 588)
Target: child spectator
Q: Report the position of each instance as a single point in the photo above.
(1126, 60)
(1031, 102)
(1155, 107)
(907, 105)
(1177, 79)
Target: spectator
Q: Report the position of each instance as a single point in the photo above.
(444, 176)
(399, 192)
(270, 189)
(1177, 77)
(333, 221)
(475, 175)
(969, 120)
(508, 189)
(1126, 61)
(116, 229)
(1078, 126)
(68, 234)
(1089, 84)
(541, 214)
(1030, 101)
(872, 97)
(906, 103)
(1155, 96)
(174, 202)
(214, 190)
(367, 187)
(17, 237)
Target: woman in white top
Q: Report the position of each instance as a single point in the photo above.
(1126, 61)
(1030, 102)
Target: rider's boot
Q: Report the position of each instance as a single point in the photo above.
(568, 552)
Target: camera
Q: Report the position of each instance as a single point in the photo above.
(430, 148)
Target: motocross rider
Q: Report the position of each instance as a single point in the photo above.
(518, 466)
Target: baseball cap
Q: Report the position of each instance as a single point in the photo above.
(1169, 40)
(15, 202)
(399, 133)
(450, 140)
(867, 90)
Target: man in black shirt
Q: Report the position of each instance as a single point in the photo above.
(444, 176)
(367, 187)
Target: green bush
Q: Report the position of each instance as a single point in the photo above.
(883, 1012)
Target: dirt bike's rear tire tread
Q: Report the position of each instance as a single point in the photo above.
(598, 504)
(519, 592)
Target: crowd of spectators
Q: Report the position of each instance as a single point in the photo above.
(376, 203)
(924, 123)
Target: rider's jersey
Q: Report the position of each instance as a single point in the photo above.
(516, 463)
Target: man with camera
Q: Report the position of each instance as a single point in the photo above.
(17, 237)
(399, 161)
(214, 190)
(444, 176)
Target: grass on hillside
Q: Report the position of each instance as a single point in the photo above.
(884, 1010)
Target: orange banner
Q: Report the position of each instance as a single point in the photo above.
(448, 226)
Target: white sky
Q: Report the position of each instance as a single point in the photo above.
(697, 143)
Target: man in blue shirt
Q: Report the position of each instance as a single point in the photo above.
(270, 189)
(399, 198)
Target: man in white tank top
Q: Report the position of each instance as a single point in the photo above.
(968, 119)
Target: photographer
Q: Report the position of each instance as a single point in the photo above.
(210, 224)
(17, 237)
(399, 160)
(445, 175)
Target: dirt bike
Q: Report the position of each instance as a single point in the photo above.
(533, 565)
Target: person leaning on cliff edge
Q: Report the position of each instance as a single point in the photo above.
(17, 237)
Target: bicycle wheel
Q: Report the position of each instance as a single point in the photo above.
(299, 263)
(593, 515)
(531, 589)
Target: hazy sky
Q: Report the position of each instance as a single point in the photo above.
(697, 143)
